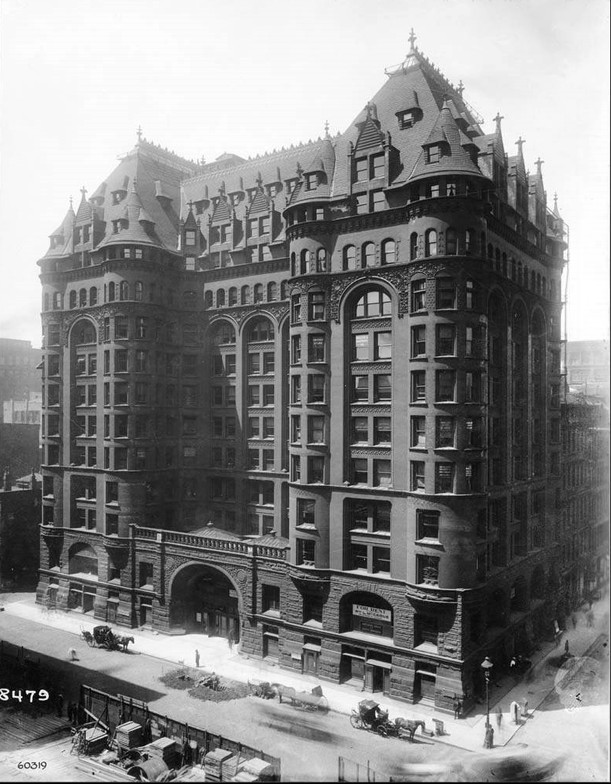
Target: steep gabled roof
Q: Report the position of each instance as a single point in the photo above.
(62, 239)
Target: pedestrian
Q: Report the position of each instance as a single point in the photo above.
(499, 717)
(457, 707)
(566, 647)
(489, 737)
(196, 658)
(230, 639)
(72, 654)
(59, 703)
(525, 709)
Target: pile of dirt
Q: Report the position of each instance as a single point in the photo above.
(187, 679)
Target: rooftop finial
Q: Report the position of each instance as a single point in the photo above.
(555, 202)
(83, 191)
(520, 142)
(460, 88)
(139, 133)
(190, 205)
(326, 129)
(71, 202)
(497, 120)
(412, 40)
(538, 164)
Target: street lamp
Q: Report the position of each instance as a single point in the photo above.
(486, 666)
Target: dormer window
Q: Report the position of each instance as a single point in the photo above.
(311, 181)
(274, 189)
(236, 198)
(118, 196)
(433, 154)
(377, 165)
(360, 169)
(189, 237)
(406, 119)
(116, 226)
(200, 206)
(290, 185)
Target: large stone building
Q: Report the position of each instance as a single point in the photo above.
(19, 374)
(313, 399)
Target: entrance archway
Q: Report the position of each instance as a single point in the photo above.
(205, 601)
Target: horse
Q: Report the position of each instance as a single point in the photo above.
(123, 641)
(409, 726)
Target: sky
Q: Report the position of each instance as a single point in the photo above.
(77, 78)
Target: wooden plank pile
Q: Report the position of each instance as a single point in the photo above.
(214, 764)
(129, 734)
(165, 749)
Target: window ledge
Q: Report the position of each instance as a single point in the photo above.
(428, 540)
(271, 613)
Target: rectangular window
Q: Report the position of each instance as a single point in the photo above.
(470, 295)
(382, 345)
(316, 306)
(268, 427)
(360, 430)
(295, 468)
(316, 348)
(473, 430)
(382, 473)
(446, 340)
(444, 477)
(359, 471)
(418, 295)
(427, 524)
(295, 308)
(378, 201)
(381, 430)
(120, 327)
(360, 388)
(306, 552)
(296, 429)
(417, 476)
(472, 386)
(316, 388)
(254, 395)
(120, 361)
(446, 293)
(296, 349)
(360, 347)
(381, 559)
(445, 385)
(427, 569)
(418, 341)
(418, 386)
(268, 395)
(316, 430)
(433, 154)
(268, 459)
(360, 169)
(316, 469)
(295, 389)
(444, 432)
(253, 427)
(254, 364)
(361, 203)
(141, 361)
(382, 390)
(418, 432)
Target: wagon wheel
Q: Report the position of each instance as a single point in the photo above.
(90, 641)
(382, 730)
(356, 721)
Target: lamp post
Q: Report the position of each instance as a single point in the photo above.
(486, 666)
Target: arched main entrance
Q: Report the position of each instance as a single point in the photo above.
(205, 601)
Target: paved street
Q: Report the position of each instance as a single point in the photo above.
(309, 744)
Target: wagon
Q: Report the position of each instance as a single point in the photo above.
(102, 637)
(370, 716)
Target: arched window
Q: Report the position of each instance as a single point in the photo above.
(83, 333)
(245, 295)
(451, 242)
(45, 300)
(124, 290)
(284, 290)
(431, 243)
(504, 264)
(260, 329)
(223, 334)
(373, 303)
(57, 300)
(349, 258)
(368, 255)
(321, 260)
(272, 292)
(293, 269)
(413, 245)
(520, 272)
(497, 256)
(208, 299)
(389, 255)
(258, 291)
(72, 299)
(82, 298)
(533, 281)
(138, 290)
(304, 261)
(220, 298)
(93, 296)
(111, 291)
(233, 296)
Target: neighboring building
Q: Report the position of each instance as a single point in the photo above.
(584, 498)
(19, 448)
(23, 412)
(314, 398)
(19, 531)
(587, 367)
(19, 375)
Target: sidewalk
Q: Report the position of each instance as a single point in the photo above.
(466, 733)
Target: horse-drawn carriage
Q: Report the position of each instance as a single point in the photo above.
(104, 637)
(370, 716)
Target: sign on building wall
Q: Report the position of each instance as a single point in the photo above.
(364, 611)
